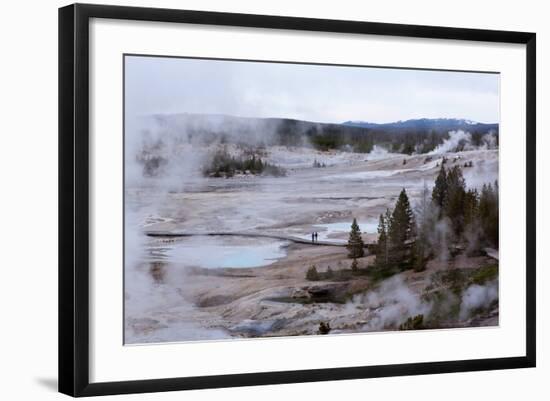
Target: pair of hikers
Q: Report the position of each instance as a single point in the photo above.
(314, 236)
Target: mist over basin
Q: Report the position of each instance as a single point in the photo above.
(248, 286)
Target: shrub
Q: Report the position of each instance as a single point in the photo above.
(354, 265)
(324, 328)
(312, 274)
(413, 323)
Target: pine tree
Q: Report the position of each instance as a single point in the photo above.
(439, 193)
(425, 218)
(382, 247)
(489, 213)
(401, 231)
(388, 219)
(471, 207)
(355, 244)
(454, 201)
(472, 225)
(402, 220)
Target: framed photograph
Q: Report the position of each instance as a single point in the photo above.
(251, 199)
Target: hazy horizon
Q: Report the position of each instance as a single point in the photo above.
(317, 93)
(320, 122)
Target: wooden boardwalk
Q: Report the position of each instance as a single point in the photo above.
(296, 240)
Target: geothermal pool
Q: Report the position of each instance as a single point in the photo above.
(212, 252)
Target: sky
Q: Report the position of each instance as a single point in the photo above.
(307, 92)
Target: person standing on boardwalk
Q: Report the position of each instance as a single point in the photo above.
(312, 237)
(316, 233)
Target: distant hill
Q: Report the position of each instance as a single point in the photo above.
(421, 135)
(261, 131)
(426, 125)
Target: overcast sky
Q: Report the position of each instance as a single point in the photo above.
(306, 92)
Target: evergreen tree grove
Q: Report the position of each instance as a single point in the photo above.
(453, 218)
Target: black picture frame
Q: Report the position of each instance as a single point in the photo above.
(74, 198)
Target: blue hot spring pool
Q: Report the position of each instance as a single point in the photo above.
(221, 251)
